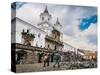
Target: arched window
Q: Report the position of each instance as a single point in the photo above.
(48, 19)
(42, 18)
(39, 35)
(36, 44)
(48, 45)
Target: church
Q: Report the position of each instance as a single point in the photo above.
(30, 41)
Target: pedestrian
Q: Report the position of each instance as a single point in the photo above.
(52, 57)
(45, 60)
(57, 59)
(48, 59)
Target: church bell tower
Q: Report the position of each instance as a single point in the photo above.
(45, 18)
(58, 25)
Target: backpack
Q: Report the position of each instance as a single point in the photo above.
(57, 57)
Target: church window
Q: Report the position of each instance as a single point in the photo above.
(48, 45)
(42, 18)
(48, 19)
(55, 36)
(36, 44)
(39, 35)
(41, 46)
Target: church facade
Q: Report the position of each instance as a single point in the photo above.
(53, 35)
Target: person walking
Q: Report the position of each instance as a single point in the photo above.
(57, 59)
(46, 59)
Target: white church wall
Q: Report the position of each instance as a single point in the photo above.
(20, 25)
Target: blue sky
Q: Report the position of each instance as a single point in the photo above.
(79, 22)
(86, 22)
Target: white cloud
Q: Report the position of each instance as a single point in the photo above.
(81, 39)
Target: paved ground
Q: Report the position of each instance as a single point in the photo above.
(39, 67)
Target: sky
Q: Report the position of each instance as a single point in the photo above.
(79, 22)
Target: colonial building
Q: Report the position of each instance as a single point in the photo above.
(33, 40)
(88, 55)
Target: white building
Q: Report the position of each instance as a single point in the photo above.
(23, 25)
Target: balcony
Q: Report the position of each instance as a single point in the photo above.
(53, 40)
